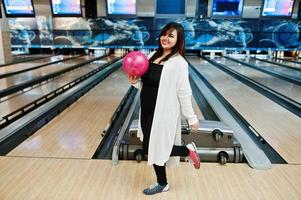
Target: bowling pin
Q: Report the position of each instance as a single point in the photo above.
(212, 54)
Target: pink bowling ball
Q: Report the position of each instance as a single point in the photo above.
(135, 63)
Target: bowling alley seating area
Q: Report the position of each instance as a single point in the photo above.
(69, 115)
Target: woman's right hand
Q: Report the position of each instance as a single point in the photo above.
(194, 127)
(133, 79)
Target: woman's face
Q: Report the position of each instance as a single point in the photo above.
(169, 40)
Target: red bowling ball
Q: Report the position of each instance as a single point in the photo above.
(135, 63)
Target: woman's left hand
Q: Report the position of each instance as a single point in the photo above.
(133, 79)
(194, 127)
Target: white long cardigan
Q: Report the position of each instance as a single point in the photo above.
(174, 96)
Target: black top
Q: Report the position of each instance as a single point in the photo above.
(148, 97)
(152, 75)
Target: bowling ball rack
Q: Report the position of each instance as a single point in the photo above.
(214, 140)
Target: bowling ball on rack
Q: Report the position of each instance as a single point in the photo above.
(135, 63)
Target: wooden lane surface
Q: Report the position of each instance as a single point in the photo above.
(275, 68)
(25, 58)
(20, 100)
(279, 127)
(28, 65)
(287, 62)
(28, 75)
(76, 132)
(285, 88)
(42, 178)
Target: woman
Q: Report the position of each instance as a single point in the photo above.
(165, 93)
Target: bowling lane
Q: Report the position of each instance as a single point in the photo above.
(27, 76)
(25, 98)
(29, 65)
(278, 69)
(279, 127)
(287, 62)
(25, 58)
(298, 60)
(76, 132)
(286, 88)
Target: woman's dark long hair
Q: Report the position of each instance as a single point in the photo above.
(178, 48)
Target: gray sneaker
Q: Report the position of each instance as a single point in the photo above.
(156, 188)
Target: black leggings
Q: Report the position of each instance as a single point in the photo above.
(161, 171)
(146, 124)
